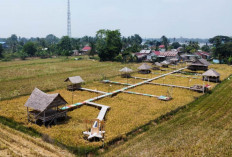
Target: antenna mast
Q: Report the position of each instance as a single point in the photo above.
(69, 20)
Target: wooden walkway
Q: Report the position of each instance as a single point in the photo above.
(94, 91)
(136, 93)
(113, 82)
(140, 78)
(103, 110)
(180, 76)
(175, 86)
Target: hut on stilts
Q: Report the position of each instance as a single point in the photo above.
(126, 72)
(157, 66)
(199, 64)
(74, 83)
(211, 75)
(165, 64)
(44, 107)
(144, 69)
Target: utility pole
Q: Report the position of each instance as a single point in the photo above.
(68, 20)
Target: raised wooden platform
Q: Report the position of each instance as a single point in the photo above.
(49, 115)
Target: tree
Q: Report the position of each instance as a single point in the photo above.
(12, 42)
(165, 41)
(225, 52)
(75, 44)
(51, 39)
(137, 39)
(30, 49)
(93, 48)
(205, 48)
(1, 50)
(108, 44)
(176, 45)
(65, 46)
(23, 55)
(222, 47)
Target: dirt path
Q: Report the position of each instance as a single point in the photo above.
(14, 143)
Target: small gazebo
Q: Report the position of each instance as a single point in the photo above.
(174, 60)
(74, 83)
(126, 72)
(165, 64)
(157, 66)
(44, 107)
(144, 69)
(199, 64)
(211, 75)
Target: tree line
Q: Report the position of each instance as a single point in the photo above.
(108, 45)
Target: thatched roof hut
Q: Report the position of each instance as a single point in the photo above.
(74, 79)
(75, 83)
(126, 72)
(158, 64)
(211, 75)
(165, 64)
(42, 106)
(144, 69)
(199, 64)
(174, 60)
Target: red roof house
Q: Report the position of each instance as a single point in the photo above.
(86, 48)
(162, 46)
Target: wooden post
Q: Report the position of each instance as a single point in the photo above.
(126, 78)
(27, 115)
(72, 93)
(44, 118)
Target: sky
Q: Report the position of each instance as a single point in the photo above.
(148, 18)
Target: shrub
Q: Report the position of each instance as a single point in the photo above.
(22, 55)
(118, 58)
(43, 54)
(9, 56)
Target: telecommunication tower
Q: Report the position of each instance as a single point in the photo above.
(69, 20)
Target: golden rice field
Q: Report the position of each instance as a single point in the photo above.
(127, 111)
(20, 77)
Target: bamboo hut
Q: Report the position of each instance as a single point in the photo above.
(157, 66)
(174, 60)
(165, 64)
(74, 83)
(211, 75)
(144, 69)
(44, 107)
(126, 72)
(199, 64)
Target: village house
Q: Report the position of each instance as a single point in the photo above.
(202, 54)
(142, 55)
(161, 56)
(86, 50)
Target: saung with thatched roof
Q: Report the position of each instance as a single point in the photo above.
(126, 72)
(211, 75)
(157, 66)
(144, 69)
(174, 60)
(165, 64)
(75, 81)
(199, 64)
(44, 107)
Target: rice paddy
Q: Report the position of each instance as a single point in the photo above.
(127, 111)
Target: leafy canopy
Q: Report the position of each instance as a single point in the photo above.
(108, 44)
